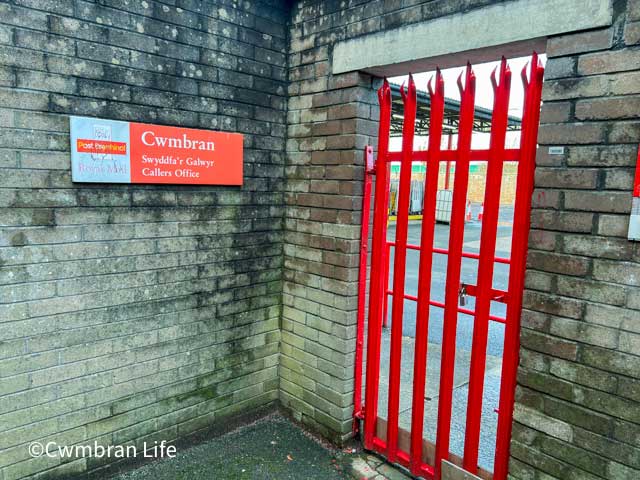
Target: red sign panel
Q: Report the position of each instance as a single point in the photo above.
(109, 151)
(162, 154)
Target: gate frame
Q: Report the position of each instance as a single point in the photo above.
(463, 154)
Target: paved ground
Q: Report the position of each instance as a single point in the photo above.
(270, 449)
(463, 340)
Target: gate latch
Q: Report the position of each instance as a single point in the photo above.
(462, 294)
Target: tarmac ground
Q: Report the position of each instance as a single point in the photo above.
(271, 448)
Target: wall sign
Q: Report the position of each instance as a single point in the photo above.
(634, 220)
(556, 150)
(109, 151)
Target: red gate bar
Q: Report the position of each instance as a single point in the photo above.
(447, 173)
(424, 271)
(454, 265)
(499, 123)
(362, 286)
(521, 221)
(497, 295)
(470, 291)
(444, 251)
(376, 294)
(385, 260)
(409, 97)
(435, 303)
(510, 155)
(403, 458)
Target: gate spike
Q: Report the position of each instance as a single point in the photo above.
(539, 70)
(460, 87)
(439, 83)
(382, 91)
(410, 90)
(504, 66)
(505, 73)
(470, 80)
(494, 81)
(523, 74)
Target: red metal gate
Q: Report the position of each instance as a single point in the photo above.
(421, 457)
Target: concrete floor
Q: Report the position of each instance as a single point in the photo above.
(463, 339)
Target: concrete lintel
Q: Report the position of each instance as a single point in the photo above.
(517, 26)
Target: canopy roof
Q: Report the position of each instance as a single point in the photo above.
(481, 122)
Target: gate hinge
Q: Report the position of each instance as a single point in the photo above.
(370, 167)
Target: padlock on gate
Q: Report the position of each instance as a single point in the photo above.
(462, 294)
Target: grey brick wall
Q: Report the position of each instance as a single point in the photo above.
(331, 118)
(328, 125)
(578, 403)
(132, 313)
(135, 312)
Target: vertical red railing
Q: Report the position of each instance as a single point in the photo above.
(362, 285)
(521, 223)
(387, 250)
(447, 173)
(385, 262)
(424, 272)
(486, 263)
(454, 265)
(376, 294)
(409, 98)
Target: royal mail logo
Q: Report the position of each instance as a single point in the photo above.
(110, 151)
